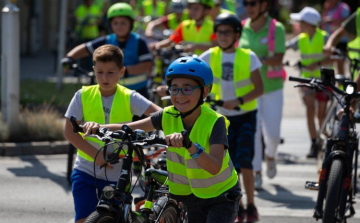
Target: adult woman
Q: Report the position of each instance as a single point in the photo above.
(254, 36)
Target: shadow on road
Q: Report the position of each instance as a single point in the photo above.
(38, 169)
(286, 198)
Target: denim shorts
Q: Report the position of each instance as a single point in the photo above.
(223, 208)
(84, 193)
(241, 137)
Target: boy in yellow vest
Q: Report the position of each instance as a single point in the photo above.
(310, 42)
(106, 102)
(196, 32)
(238, 83)
(201, 174)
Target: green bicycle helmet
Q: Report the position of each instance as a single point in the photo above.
(120, 9)
(206, 3)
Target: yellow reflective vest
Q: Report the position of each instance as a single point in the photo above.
(172, 21)
(185, 175)
(311, 52)
(192, 34)
(157, 10)
(87, 18)
(93, 111)
(354, 46)
(242, 75)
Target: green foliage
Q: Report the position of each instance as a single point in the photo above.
(39, 92)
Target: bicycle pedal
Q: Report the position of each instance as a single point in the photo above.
(312, 185)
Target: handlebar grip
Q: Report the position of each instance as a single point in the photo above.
(186, 141)
(75, 125)
(300, 79)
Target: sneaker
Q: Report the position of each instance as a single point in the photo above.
(271, 168)
(240, 218)
(252, 214)
(258, 181)
(313, 151)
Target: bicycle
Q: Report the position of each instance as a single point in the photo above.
(336, 185)
(329, 124)
(116, 200)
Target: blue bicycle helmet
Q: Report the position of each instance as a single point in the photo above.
(190, 67)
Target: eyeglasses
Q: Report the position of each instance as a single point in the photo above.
(185, 90)
(224, 33)
(251, 3)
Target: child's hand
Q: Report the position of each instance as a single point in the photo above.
(90, 128)
(161, 90)
(175, 140)
(231, 104)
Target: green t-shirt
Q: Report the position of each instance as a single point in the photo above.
(258, 43)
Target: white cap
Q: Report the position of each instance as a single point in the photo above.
(308, 15)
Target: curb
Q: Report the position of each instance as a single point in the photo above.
(34, 148)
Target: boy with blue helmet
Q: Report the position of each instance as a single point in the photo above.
(238, 86)
(201, 174)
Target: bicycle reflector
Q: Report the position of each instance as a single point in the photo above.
(108, 192)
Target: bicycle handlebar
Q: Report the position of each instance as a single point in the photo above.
(315, 82)
(217, 103)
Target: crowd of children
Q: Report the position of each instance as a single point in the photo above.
(238, 62)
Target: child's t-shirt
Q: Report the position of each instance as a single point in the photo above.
(258, 43)
(138, 106)
(218, 134)
(227, 78)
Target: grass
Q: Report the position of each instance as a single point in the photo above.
(42, 124)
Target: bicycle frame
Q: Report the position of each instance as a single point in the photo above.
(345, 148)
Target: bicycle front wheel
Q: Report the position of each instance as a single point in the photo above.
(333, 191)
(169, 214)
(101, 216)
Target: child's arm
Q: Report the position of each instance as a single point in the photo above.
(144, 124)
(80, 143)
(211, 162)
(151, 109)
(140, 68)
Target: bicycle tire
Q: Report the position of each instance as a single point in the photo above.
(101, 216)
(165, 210)
(169, 214)
(333, 191)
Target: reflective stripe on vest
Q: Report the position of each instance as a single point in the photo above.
(149, 8)
(354, 46)
(172, 20)
(312, 51)
(192, 34)
(242, 75)
(185, 175)
(93, 111)
(87, 21)
(131, 57)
